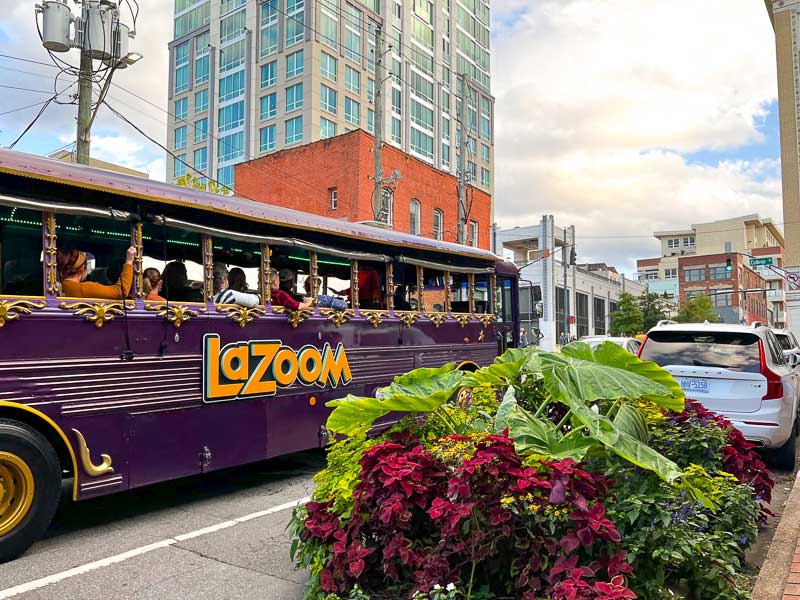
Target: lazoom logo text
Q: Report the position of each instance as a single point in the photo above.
(259, 368)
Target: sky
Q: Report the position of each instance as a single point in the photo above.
(619, 117)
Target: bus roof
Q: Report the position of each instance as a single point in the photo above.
(70, 174)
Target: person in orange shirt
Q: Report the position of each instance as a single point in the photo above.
(72, 271)
(151, 281)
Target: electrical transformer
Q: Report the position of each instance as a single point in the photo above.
(56, 21)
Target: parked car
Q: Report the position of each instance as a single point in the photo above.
(737, 371)
(788, 342)
(630, 344)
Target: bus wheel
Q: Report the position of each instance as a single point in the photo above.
(30, 487)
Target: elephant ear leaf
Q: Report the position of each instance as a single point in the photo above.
(533, 435)
(629, 420)
(508, 404)
(421, 390)
(610, 372)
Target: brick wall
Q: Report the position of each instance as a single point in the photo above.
(301, 178)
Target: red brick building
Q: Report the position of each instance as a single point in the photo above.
(708, 275)
(333, 178)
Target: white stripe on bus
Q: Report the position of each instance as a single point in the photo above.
(118, 558)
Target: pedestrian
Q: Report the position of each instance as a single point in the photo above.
(523, 339)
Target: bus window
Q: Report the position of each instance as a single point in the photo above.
(504, 300)
(21, 252)
(293, 266)
(92, 257)
(459, 290)
(240, 264)
(178, 259)
(405, 295)
(434, 294)
(372, 285)
(482, 299)
(333, 280)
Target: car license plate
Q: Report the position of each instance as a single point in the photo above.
(699, 386)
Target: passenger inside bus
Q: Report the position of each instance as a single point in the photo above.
(73, 268)
(230, 287)
(401, 298)
(324, 300)
(370, 295)
(287, 283)
(177, 286)
(282, 298)
(151, 282)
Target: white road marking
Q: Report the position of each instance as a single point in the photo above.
(118, 558)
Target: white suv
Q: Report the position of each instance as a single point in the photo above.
(787, 342)
(737, 371)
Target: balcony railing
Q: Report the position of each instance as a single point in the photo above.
(776, 295)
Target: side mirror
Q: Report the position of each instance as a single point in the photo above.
(793, 360)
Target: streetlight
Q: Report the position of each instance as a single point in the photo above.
(99, 34)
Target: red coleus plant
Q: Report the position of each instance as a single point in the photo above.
(467, 510)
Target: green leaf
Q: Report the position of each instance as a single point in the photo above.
(421, 390)
(539, 436)
(629, 371)
(629, 420)
(504, 410)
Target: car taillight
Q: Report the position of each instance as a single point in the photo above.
(774, 382)
(641, 347)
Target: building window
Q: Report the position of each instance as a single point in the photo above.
(334, 193)
(327, 129)
(295, 21)
(599, 314)
(182, 68)
(269, 74)
(353, 25)
(486, 122)
(688, 241)
(370, 120)
(294, 64)
(230, 147)
(445, 154)
(327, 99)
(269, 27)
(694, 275)
(181, 109)
(413, 217)
(485, 153)
(179, 166)
(722, 298)
(269, 105)
(387, 207)
(266, 138)
(473, 233)
(228, 5)
(201, 101)
(328, 66)
(717, 273)
(370, 90)
(472, 169)
(232, 56)
(188, 19)
(294, 130)
(294, 97)
(201, 58)
(670, 273)
(231, 86)
(397, 101)
(180, 138)
(232, 26)
(201, 159)
(352, 80)
(329, 23)
(438, 224)
(421, 143)
(225, 177)
(231, 116)
(352, 111)
(486, 178)
(421, 115)
(673, 243)
(200, 130)
(397, 130)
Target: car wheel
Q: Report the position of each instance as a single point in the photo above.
(30, 487)
(784, 458)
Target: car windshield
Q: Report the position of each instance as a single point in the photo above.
(728, 350)
(785, 341)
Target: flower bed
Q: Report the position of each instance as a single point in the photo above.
(566, 489)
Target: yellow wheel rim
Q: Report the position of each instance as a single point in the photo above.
(16, 491)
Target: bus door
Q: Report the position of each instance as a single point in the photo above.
(507, 331)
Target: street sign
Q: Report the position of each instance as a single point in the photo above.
(760, 262)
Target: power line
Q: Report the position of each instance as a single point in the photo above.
(13, 110)
(12, 87)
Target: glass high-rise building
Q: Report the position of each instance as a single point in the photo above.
(250, 77)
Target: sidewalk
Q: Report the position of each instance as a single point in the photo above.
(779, 578)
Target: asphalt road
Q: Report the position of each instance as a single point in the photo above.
(167, 550)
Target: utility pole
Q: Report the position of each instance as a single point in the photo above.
(83, 139)
(462, 160)
(380, 75)
(565, 260)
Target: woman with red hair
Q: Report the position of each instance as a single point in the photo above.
(72, 271)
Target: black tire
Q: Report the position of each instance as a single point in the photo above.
(785, 457)
(36, 452)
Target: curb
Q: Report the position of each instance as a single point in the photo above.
(781, 555)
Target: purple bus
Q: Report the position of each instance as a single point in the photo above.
(117, 387)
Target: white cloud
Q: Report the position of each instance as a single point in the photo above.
(596, 101)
